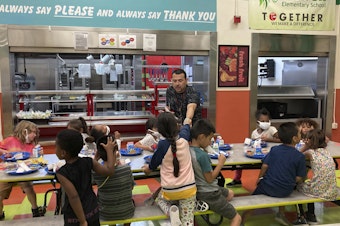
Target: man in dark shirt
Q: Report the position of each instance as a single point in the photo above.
(182, 99)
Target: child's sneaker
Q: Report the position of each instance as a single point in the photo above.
(149, 201)
(311, 218)
(281, 219)
(201, 206)
(39, 212)
(174, 216)
(300, 221)
(234, 183)
(2, 217)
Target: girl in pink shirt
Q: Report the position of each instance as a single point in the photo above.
(24, 138)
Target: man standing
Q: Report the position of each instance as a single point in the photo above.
(182, 99)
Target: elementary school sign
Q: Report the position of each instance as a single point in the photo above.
(314, 15)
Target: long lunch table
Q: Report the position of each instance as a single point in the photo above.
(236, 159)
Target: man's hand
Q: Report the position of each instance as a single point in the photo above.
(187, 121)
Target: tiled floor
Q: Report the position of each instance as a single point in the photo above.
(18, 206)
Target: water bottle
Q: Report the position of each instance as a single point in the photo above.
(299, 145)
(212, 141)
(221, 143)
(258, 149)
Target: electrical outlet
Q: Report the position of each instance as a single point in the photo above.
(334, 125)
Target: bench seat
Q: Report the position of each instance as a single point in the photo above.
(146, 213)
(263, 201)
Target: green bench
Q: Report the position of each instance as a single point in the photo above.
(152, 213)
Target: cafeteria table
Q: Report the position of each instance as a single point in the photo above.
(236, 159)
(40, 175)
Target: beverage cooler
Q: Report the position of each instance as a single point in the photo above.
(122, 87)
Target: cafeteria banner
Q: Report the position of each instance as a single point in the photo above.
(313, 15)
(195, 15)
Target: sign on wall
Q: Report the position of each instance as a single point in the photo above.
(195, 15)
(233, 66)
(311, 15)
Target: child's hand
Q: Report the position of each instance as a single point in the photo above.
(146, 169)
(264, 137)
(221, 159)
(109, 146)
(6, 153)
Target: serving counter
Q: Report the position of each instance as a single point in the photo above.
(95, 106)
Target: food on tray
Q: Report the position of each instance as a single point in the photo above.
(22, 167)
(132, 151)
(18, 155)
(41, 161)
(250, 153)
(14, 156)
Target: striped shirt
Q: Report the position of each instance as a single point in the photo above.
(115, 195)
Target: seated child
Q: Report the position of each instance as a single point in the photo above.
(100, 130)
(323, 182)
(80, 125)
(208, 189)
(264, 131)
(282, 168)
(114, 192)
(150, 141)
(25, 137)
(305, 125)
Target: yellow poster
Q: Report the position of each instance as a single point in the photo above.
(313, 15)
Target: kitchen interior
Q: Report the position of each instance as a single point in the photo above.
(120, 90)
(63, 77)
(295, 77)
(293, 87)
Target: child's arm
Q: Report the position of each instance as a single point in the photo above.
(144, 147)
(109, 168)
(73, 197)
(263, 171)
(211, 176)
(275, 138)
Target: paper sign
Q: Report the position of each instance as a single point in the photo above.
(149, 42)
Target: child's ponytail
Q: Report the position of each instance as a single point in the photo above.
(175, 160)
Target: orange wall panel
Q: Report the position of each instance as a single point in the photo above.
(232, 115)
